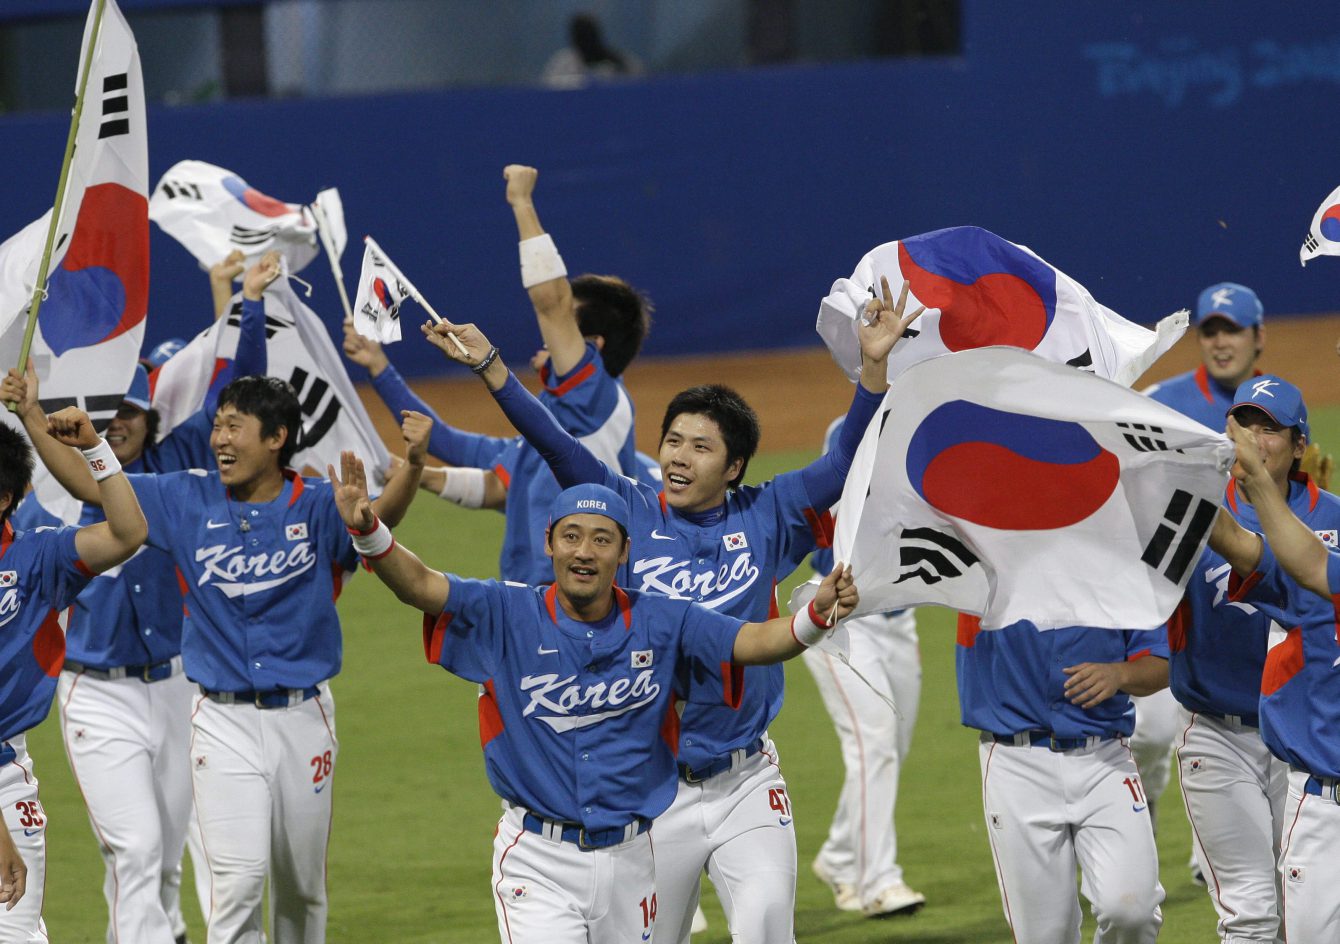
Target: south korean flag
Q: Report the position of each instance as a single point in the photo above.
(381, 290)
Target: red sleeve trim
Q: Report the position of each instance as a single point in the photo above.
(503, 475)
(625, 608)
(1239, 587)
(1139, 655)
(572, 382)
(490, 717)
(434, 628)
(83, 569)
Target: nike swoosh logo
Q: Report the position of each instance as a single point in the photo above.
(546, 652)
(1137, 807)
(30, 833)
(784, 820)
(321, 786)
(657, 536)
(216, 524)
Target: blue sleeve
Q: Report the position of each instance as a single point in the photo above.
(825, 476)
(186, 447)
(1333, 571)
(61, 573)
(469, 450)
(250, 358)
(156, 501)
(1149, 642)
(571, 462)
(467, 638)
(707, 648)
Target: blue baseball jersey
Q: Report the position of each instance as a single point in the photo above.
(1198, 395)
(587, 402)
(40, 575)
(577, 719)
(260, 579)
(1219, 645)
(1300, 687)
(729, 558)
(1010, 680)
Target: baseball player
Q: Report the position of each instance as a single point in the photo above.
(125, 702)
(577, 712)
(1234, 788)
(707, 537)
(1059, 785)
(859, 858)
(262, 553)
(1295, 579)
(1231, 336)
(41, 572)
(592, 327)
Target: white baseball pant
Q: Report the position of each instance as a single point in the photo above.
(1157, 726)
(1050, 811)
(263, 780)
(128, 743)
(738, 825)
(1234, 790)
(1311, 894)
(548, 891)
(862, 846)
(26, 821)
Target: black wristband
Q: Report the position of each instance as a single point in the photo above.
(489, 358)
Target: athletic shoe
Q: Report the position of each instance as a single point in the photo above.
(699, 921)
(844, 894)
(894, 900)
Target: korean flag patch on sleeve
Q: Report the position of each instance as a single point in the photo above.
(641, 658)
(296, 532)
(1329, 538)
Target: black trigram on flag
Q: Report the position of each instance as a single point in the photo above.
(172, 189)
(1173, 547)
(311, 391)
(1081, 361)
(1143, 438)
(931, 555)
(101, 408)
(115, 106)
(1310, 244)
(242, 236)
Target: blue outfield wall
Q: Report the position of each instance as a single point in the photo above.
(1147, 149)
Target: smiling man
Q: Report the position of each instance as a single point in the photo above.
(726, 545)
(578, 706)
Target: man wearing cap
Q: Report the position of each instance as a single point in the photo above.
(125, 702)
(1294, 578)
(1231, 335)
(1235, 790)
(578, 710)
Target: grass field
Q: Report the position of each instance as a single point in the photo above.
(414, 815)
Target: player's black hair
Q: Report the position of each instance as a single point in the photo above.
(734, 417)
(16, 467)
(152, 421)
(609, 307)
(272, 401)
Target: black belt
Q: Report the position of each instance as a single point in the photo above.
(274, 698)
(1049, 740)
(1323, 787)
(1233, 721)
(152, 672)
(579, 835)
(719, 765)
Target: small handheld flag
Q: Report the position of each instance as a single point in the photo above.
(1323, 239)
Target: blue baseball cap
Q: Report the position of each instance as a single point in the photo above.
(1229, 300)
(164, 351)
(590, 499)
(1278, 399)
(138, 394)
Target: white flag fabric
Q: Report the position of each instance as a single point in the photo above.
(1001, 484)
(1323, 238)
(212, 211)
(381, 291)
(299, 350)
(328, 211)
(90, 326)
(981, 290)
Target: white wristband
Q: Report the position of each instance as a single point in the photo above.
(540, 260)
(375, 543)
(465, 487)
(102, 462)
(808, 628)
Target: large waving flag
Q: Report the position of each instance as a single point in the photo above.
(90, 324)
(300, 351)
(981, 290)
(1001, 484)
(212, 211)
(1323, 237)
(381, 290)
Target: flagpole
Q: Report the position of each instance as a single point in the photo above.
(39, 289)
(323, 234)
(414, 293)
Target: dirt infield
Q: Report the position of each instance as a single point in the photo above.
(797, 393)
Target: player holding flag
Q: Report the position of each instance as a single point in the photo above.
(381, 290)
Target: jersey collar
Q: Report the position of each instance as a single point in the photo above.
(620, 599)
(290, 476)
(1203, 381)
(1301, 478)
